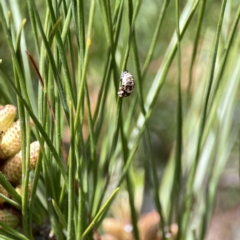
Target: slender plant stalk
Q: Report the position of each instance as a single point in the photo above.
(195, 47)
(98, 215)
(189, 193)
(71, 177)
(155, 37)
(130, 188)
(178, 165)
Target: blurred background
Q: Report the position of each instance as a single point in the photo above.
(159, 142)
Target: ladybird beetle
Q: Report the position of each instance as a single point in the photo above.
(128, 84)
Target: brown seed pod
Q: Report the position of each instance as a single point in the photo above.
(1, 135)
(7, 116)
(9, 218)
(19, 189)
(116, 228)
(4, 192)
(108, 237)
(34, 151)
(174, 230)
(148, 226)
(11, 141)
(12, 168)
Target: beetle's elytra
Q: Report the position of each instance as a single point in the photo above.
(128, 84)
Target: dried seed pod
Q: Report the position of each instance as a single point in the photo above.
(7, 116)
(174, 230)
(117, 229)
(1, 135)
(4, 192)
(11, 141)
(148, 226)
(9, 218)
(108, 237)
(12, 168)
(19, 189)
(34, 151)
